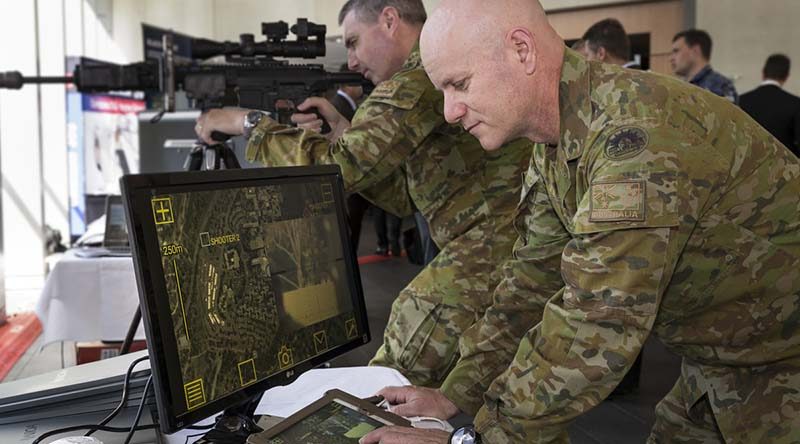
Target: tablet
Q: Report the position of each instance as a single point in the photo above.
(336, 418)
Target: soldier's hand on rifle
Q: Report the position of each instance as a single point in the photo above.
(337, 122)
(229, 121)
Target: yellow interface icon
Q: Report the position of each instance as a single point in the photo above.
(351, 328)
(247, 372)
(195, 394)
(285, 358)
(162, 210)
(320, 341)
(327, 193)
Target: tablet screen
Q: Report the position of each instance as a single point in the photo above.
(335, 423)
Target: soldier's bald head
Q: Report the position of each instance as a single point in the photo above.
(479, 24)
(509, 41)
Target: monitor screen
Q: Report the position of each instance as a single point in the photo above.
(246, 279)
(116, 232)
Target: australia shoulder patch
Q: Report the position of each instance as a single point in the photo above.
(617, 201)
(626, 142)
(386, 89)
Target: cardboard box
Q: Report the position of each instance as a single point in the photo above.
(97, 350)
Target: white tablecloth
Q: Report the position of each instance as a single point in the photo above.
(88, 299)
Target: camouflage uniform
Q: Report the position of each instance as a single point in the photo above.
(675, 214)
(400, 154)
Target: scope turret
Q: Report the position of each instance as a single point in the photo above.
(310, 43)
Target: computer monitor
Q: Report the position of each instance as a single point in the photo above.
(116, 231)
(246, 279)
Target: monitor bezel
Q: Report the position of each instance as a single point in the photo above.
(136, 200)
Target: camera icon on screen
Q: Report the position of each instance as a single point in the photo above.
(285, 358)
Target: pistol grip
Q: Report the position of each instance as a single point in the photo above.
(220, 136)
(326, 127)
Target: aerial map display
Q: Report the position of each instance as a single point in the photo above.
(256, 279)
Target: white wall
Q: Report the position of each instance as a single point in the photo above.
(37, 35)
(745, 33)
(54, 137)
(20, 156)
(551, 5)
(192, 17)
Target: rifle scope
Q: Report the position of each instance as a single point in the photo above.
(310, 42)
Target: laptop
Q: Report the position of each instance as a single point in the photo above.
(115, 237)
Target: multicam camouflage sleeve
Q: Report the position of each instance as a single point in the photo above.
(386, 129)
(592, 329)
(530, 279)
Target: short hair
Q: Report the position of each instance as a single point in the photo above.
(577, 45)
(777, 67)
(696, 37)
(609, 34)
(411, 11)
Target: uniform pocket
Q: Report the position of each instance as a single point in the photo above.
(419, 340)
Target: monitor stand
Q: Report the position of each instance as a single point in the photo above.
(234, 425)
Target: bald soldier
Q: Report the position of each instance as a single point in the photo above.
(676, 215)
(401, 154)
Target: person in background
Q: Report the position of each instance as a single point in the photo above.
(777, 110)
(690, 60)
(606, 41)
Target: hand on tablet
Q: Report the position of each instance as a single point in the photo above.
(405, 435)
(419, 401)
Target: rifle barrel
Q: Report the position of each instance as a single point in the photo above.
(15, 80)
(48, 79)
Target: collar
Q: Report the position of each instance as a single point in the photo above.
(414, 60)
(347, 98)
(771, 82)
(701, 75)
(574, 103)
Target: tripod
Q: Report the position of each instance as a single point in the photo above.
(202, 158)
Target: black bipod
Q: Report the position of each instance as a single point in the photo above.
(211, 157)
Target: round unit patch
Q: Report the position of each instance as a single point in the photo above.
(626, 142)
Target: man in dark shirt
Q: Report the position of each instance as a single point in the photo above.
(772, 107)
(691, 53)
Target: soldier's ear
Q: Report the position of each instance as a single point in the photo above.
(523, 48)
(389, 18)
(602, 54)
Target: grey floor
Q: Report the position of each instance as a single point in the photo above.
(622, 420)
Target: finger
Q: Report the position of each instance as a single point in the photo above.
(206, 137)
(373, 437)
(312, 102)
(415, 408)
(316, 125)
(300, 118)
(396, 395)
(323, 106)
